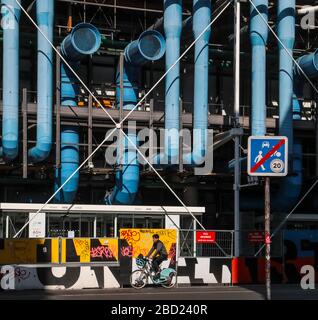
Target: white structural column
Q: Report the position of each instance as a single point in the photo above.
(237, 168)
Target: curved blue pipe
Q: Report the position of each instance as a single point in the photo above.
(258, 37)
(45, 18)
(201, 18)
(172, 28)
(149, 47)
(309, 64)
(84, 39)
(11, 13)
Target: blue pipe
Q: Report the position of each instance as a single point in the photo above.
(201, 19)
(309, 64)
(11, 13)
(286, 34)
(172, 28)
(149, 47)
(84, 40)
(258, 37)
(289, 187)
(45, 18)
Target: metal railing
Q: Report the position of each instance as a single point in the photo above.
(220, 247)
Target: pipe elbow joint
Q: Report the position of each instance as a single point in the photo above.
(309, 64)
(10, 148)
(40, 152)
(9, 153)
(150, 46)
(85, 39)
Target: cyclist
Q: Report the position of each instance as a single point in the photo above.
(159, 252)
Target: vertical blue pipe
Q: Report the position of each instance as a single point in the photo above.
(286, 34)
(11, 13)
(149, 47)
(84, 40)
(172, 28)
(258, 37)
(289, 187)
(45, 17)
(201, 19)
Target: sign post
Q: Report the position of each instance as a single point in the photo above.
(267, 238)
(267, 157)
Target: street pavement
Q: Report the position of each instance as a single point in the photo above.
(257, 292)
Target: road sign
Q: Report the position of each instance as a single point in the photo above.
(205, 237)
(267, 156)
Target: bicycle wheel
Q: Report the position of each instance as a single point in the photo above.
(138, 279)
(171, 283)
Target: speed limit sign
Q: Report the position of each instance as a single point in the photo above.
(277, 165)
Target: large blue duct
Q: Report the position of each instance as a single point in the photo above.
(201, 19)
(172, 28)
(11, 13)
(149, 47)
(84, 40)
(45, 18)
(258, 37)
(289, 187)
(286, 34)
(309, 64)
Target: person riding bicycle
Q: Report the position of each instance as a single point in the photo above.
(160, 254)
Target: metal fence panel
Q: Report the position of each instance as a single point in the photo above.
(222, 247)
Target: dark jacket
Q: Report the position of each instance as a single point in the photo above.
(160, 247)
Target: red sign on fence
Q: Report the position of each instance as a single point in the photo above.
(256, 236)
(205, 236)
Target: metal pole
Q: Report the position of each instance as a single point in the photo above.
(7, 226)
(115, 226)
(194, 238)
(267, 239)
(25, 132)
(95, 227)
(316, 114)
(121, 106)
(237, 168)
(180, 138)
(151, 136)
(58, 112)
(90, 129)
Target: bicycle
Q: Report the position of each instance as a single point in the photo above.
(140, 277)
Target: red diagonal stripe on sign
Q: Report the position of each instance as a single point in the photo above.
(268, 155)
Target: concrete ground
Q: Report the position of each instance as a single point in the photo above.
(257, 292)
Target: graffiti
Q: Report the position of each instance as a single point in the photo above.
(21, 274)
(132, 236)
(127, 251)
(101, 251)
(172, 255)
(140, 240)
(82, 247)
